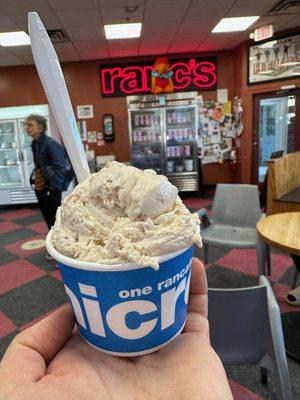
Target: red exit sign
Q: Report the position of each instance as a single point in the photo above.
(135, 78)
(264, 32)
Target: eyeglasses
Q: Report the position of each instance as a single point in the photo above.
(30, 123)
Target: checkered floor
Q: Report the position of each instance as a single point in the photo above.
(31, 287)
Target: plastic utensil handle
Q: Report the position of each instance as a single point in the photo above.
(49, 70)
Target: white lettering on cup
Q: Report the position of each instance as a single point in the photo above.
(124, 294)
(76, 307)
(187, 289)
(94, 317)
(92, 309)
(168, 304)
(116, 316)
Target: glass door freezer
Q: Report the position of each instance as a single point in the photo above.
(181, 162)
(163, 136)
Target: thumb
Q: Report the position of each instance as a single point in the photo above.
(197, 307)
(31, 350)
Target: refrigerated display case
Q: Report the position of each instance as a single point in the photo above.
(16, 160)
(163, 136)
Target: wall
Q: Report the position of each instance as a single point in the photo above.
(21, 86)
(247, 92)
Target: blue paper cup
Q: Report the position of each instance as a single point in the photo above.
(127, 309)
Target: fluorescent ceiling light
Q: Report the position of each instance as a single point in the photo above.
(123, 31)
(236, 24)
(9, 39)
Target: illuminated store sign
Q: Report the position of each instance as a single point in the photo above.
(130, 79)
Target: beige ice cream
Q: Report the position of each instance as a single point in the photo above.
(122, 214)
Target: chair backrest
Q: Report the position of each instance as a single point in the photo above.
(236, 205)
(239, 324)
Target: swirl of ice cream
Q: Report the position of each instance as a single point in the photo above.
(122, 214)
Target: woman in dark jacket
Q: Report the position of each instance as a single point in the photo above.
(51, 166)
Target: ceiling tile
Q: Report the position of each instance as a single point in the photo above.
(164, 13)
(182, 47)
(123, 48)
(204, 11)
(167, 2)
(74, 19)
(190, 41)
(20, 50)
(90, 45)
(28, 60)
(48, 18)
(293, 23)
(68, 57)
(5, 51)
(8, 25)
(120, 3)
(67, 5)
(94, 54)
(66, 52)
(12, 7)
(156, 41)
(254, 7)
(219, 39)
(86, 33)
(276, 20)
(9, 61)
(157, 29)
(64, 46)
(205, 46)
(118, 15)
(151, 51)
(193, 28)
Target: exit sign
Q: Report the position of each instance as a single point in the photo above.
(262, 33)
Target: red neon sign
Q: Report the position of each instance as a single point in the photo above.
(194, 74)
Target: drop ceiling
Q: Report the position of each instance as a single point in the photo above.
(169, 26)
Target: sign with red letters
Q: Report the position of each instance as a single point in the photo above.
(135, 78)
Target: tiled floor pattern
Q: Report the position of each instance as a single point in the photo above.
(31, 287)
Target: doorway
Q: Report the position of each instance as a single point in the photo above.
(275, 126)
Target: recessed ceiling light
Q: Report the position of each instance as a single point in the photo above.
(123, 31)
(234, 24)
(9, 39)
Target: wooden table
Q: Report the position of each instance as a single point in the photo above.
(283, 231)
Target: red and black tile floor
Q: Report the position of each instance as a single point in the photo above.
(31, 287)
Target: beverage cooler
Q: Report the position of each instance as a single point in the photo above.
(163, 136)
(16, 160)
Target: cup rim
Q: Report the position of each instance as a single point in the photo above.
(92, 266)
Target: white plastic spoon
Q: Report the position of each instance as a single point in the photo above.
(49, 70)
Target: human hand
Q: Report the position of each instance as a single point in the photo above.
(49, 361)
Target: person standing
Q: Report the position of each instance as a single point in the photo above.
(51, 168)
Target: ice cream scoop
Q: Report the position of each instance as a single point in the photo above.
(122, 214)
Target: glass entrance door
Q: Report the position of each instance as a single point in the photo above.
(276, 116)
(274, 130)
